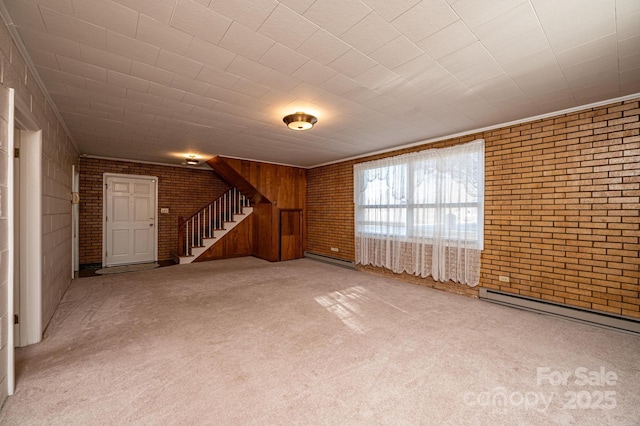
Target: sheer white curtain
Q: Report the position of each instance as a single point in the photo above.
(422, 213)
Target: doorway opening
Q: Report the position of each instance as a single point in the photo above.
(75, 221)
(27, 225)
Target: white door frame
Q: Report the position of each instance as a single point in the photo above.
(30, 245)
(15, 283)
(10, 243)
(75, 220)
(105, 176)
(30, 225)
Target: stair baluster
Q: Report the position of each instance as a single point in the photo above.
(203, 223)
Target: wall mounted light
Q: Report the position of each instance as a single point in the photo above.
(300, 121)
(192, 160)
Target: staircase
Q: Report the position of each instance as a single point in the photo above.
(203, 229)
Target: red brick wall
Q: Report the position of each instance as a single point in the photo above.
(562, 209)
(330, 210)
(182, 190)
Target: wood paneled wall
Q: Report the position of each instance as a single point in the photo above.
(284, 187)
(236, 243)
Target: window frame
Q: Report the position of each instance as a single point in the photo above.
(410, 208)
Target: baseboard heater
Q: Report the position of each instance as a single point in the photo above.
(610, 321)
(332, 260)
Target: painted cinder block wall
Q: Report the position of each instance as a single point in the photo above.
(182, 190)
(562, 209)
(58, 156)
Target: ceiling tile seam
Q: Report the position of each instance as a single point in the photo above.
(140, 15)
(74, 18)
(115, 124)
(58, 61)
(418, 88)
(535, 12)
(461, 21)
(617, 41)
(457, 50)
(267, 18)
(22, 49)
(295, 51)
(426, 53)
(391, 41)
(173, 11)
(510, 78)
(338, 36)
(308, 7)
(58, 57)
(138, 25)
(356, 23)
(293, 11)
(415, 5)
(483, 129)
(224, 34)
(513, 6)
(44, 23)
(138, 41)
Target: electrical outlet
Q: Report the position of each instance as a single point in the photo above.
(335, 249)
(503, 278)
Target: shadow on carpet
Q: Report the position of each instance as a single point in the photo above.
(127, 268)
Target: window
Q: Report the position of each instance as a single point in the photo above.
(384, 201)
(433, 198)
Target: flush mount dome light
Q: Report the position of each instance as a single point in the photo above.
(300, 121)
(192, 160)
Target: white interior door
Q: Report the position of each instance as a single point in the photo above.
(130, 219)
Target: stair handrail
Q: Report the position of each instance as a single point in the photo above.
(233, 202)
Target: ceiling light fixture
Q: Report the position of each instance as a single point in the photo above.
(192, 160)
(300, 121)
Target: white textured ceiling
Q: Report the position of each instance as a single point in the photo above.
(153, 80)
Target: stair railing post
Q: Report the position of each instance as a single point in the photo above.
(193, 241)
(217, 212)
(225, 202)
(235, 200)
(186, 240)
(181, 236)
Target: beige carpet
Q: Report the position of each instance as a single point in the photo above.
(127, 268)
(243, 341)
